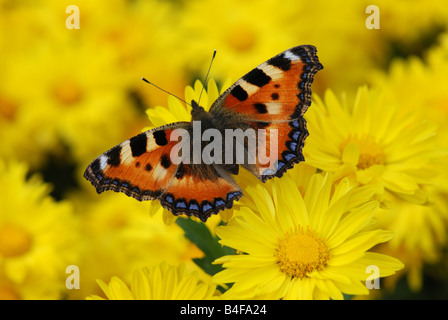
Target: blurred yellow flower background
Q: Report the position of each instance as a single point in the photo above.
(373, 189)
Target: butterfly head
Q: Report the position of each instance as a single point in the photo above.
(195, 106)
(198, 113)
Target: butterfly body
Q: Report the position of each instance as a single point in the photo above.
(188, 166)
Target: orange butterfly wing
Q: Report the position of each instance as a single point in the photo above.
(200, 190)
(141, 167)
(138, 167)
(274, 96)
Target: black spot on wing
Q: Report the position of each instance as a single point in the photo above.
(257, 77)
(113, 156)
(281, 62)
(165, 161)
(261, 108)
(160, 137)
(239, 93)
(95, 165)
(138, 144)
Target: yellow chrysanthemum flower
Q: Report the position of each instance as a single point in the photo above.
(420, 234)
(119, 235)
(411, 25)
(37, 237)
(162, 282)
(250, 32)
(373, 142)
(420, 85)
(66, 84)
(303, 246)
(239, 35)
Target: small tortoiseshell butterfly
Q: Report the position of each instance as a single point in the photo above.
(274, 96)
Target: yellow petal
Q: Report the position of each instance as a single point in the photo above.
(399, 182)
(350, 155)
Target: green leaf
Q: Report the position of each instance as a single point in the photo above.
(199, 234)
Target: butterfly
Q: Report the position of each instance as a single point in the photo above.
(269, 102)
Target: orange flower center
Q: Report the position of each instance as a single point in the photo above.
(14, 241)
(67, 92)
(370, 152)
(368, 160)
(8, 108)
(8, 293)
(241, 37)
(301, 252)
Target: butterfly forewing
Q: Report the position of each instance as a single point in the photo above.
(277, 90)
(137, 167)
(273, 96)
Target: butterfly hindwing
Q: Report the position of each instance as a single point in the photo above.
(285, 151)
(200, 190)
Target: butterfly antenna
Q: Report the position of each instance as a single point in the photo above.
(206, 77)
(166, 91)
